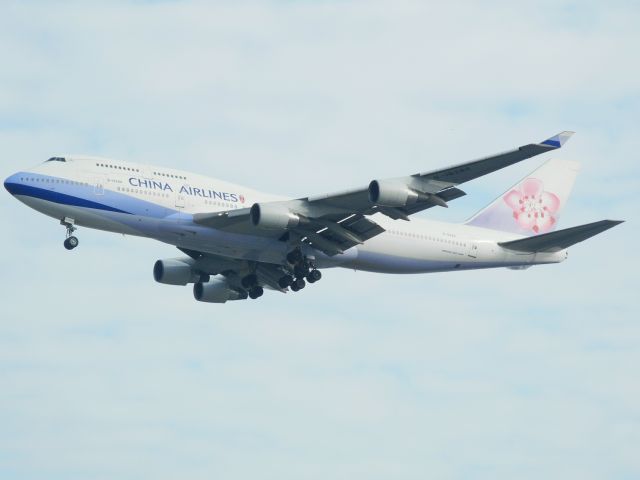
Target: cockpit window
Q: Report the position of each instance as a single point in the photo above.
(56, 159)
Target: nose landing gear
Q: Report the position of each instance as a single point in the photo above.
(71, 241)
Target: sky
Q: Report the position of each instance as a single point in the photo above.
(488, 374)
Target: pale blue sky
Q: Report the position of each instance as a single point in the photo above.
(494, 374)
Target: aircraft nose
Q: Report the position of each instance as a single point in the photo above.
(12, 183)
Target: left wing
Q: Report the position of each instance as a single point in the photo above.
(234, 271)
(338, 221)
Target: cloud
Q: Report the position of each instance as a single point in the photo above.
(477, 374)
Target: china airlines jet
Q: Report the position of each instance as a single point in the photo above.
(238, 241)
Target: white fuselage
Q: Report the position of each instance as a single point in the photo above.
(159, 203)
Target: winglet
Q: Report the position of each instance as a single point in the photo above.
(558, 140)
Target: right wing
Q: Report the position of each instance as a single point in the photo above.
(435, 187)
(337, 221)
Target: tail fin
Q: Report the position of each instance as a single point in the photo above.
(534, 204)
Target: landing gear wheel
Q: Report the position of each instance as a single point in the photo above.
(256, 292)
(285, 281)
(71, 243)
(298, 284)
(314, 276)
(242, 295)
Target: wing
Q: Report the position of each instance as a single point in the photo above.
(435, 182)
(233, 270)
(338, 221)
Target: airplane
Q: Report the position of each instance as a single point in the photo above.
(237, 241)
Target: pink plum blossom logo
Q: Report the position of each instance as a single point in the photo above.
(533, 208)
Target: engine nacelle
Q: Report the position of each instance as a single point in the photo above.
(174, 272)
(217, 290)
(273, 216)
(391, 193)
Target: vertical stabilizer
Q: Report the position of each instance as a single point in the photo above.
(534, 204)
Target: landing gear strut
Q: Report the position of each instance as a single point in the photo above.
(285, 281)
(249, 281)
(295, 256)
(71, 241)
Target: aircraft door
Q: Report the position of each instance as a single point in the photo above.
(99, 186)
(180, 200)
(472, 249)
(181, 204)
(145, 172)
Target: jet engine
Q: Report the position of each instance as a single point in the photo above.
(273, 216)
(217, 290)
(392, 193)
(175, 271)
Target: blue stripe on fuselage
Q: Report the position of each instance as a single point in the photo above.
(57, 197)
(63, 192)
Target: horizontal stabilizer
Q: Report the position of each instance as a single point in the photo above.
(560, 239)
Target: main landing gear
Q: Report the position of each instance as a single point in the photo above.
(303, 269)
(300, 271)
(250, 283)
(71, 241)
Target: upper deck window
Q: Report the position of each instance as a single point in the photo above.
(56, 159)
